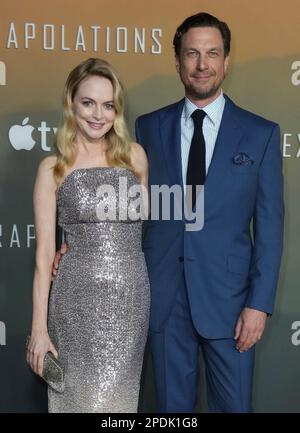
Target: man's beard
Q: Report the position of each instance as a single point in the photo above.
(204, 93)
(201, 94)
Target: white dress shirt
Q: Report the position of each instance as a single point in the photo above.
(211, 125)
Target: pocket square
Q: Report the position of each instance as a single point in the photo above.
(242, 159)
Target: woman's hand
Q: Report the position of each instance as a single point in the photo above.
(37, 348)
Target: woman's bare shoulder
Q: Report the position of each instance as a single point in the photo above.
(45, 169)
(138, 155)
(48, 162)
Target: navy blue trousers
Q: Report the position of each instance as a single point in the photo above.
(175, 356)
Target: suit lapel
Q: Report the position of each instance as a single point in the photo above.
(227, 143)
(170, 130)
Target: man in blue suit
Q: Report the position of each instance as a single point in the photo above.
(212, 288)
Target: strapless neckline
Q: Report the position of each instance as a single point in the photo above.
(76, 170)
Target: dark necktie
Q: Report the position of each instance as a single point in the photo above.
(196, 164)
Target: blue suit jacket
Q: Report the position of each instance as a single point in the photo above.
(226, 267)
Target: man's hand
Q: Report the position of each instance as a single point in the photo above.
(249, 329)
(61, 252)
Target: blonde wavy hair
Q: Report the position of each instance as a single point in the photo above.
(118, 140)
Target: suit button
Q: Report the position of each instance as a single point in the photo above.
(181, 259)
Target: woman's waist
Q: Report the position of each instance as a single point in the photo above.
(106, 248)
(83, 260)
(104, 236)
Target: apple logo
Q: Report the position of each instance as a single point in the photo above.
(20, 136)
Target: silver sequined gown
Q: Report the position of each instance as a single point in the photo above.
(99, 302)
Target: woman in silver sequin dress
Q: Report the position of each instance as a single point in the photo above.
(97, 319)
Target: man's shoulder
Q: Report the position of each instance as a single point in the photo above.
(249, 116)
(167, 110)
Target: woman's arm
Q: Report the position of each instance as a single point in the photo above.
(44, 201)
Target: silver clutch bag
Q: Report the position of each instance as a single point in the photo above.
(53, 372)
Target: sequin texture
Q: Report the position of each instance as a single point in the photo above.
(99, 301)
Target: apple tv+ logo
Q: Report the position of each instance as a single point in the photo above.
(20, 136)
